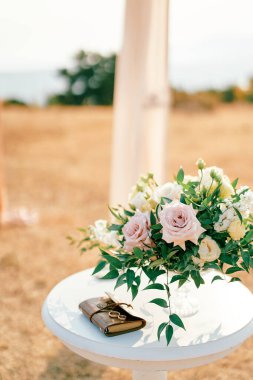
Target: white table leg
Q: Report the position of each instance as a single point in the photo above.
(149, 375)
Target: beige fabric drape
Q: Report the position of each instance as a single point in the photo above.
(141, 97)
(3, 200)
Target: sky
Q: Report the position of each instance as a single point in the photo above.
(211, 41)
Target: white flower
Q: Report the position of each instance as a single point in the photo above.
(139, 196)
(226, 217)
(207, 180)
(208, 251)
(169, 190)
(103, 235)
(208, 183)
(246, 200)
(138, 200)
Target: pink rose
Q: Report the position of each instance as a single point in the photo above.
(180, 224)
(136, 231)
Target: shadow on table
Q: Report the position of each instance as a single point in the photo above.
(67, 366)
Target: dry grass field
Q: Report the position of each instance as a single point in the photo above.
(58, 163)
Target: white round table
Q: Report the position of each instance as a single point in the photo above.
(223, 322)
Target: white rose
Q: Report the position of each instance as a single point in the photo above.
(169, 190)
(208, 251)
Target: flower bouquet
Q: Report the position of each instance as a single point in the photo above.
(185, 227)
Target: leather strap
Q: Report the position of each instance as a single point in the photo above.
(109, 307)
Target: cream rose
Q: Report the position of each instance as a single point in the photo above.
(236, 230)
(208, 251)
(138, 200)
(136, 232)
(180, 224)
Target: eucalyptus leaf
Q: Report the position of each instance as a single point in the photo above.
(99, 267)
(160, 329)
(169, 333)
(154, 286)
(160, 302)
(111, 275)
(217, 278)
(177, 320)
(180, 176)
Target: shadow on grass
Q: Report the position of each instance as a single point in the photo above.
(69, 366)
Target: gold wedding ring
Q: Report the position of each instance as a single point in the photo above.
(122, 317)
(116, 314)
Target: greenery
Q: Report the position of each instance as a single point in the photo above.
(221, 219)
(91, 81)
(14, 102)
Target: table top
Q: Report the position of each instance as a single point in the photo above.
(224, 320)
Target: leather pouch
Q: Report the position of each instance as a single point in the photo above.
(111, 317)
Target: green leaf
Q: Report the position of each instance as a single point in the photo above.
(197, 278)
(137, 280)
(130, 277)
(164, 251)
(128, 213)
(152, 218)
(235, 279)
(160, 302)
(99, 267)
(180, 176)
(154, 286)
(238, 214)
(249, 236)
(160, 329)
(246, 257)
(169, 333)
(167, 290)
(134, 290)
(110, 275)
(171, 253)
(156, 263)
(233, 270)
(120, 281)
(234, 183)
(117, 216)
(217, 278)
(138, 252)
(177, 320)
(115, 227)
(156, 226)
(177, 277)
(157, 235)
(112, 260)
(182, 281)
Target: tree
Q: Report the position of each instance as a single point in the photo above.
(91, 81)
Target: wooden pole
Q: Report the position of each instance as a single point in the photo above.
(141, 97)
